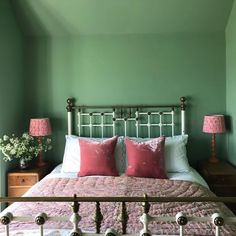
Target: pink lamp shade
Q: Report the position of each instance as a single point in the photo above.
(40, 127)
(214, 124)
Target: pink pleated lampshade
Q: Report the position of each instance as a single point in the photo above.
(214, 124)
(40, 127)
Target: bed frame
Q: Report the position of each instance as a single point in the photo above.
(122, 120)
(135, 120)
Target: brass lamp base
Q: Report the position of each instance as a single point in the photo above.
(213, 158)
(40, 162)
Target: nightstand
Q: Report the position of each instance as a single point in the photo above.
(221, 178)
(19, 181)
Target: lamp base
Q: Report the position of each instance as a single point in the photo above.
(40, 163)
(213, 160)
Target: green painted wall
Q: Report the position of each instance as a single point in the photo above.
(12, 118)
(231, 82)
(130, 69)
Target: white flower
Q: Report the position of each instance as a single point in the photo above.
(5, 137)
(48, 140)
(25, 146)
(12, 140)
(8, 147)
(25, 135)
(13, 152)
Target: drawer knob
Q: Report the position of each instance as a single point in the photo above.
(23, 180)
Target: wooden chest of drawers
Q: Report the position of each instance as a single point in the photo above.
(221, 178)
(21, 180)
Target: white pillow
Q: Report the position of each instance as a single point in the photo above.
(175, 153)
(71, 158)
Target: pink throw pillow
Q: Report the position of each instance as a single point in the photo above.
(97, 158)
(146, 159)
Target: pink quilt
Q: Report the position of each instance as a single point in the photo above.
(122, 186)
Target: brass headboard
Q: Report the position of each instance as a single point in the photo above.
(126, 120)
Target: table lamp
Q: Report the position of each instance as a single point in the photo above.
(213, 124)
(40, 128)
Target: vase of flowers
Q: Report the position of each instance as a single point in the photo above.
(25, 148)
(23, 164)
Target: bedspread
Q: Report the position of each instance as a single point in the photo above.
(122, 186)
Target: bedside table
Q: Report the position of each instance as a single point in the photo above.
(221, 178)
(19, 181)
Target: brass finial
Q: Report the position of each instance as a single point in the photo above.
(70, 104)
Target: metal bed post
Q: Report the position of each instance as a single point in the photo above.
(102, 124)
(40, 220)
(137, 121)
(69, 108)
(75, 218)
(90, 125)
(148, 124)
(183, 107)
(79, 121)
(218, 221)
(160, 123)
(173, 121)
(6, 220)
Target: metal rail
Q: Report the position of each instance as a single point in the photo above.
(119, 199)
(217, 220)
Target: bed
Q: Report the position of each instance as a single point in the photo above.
(118, 194)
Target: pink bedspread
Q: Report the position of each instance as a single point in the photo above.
(122, 186)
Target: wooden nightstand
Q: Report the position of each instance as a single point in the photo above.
(20, 181)
(221, 178)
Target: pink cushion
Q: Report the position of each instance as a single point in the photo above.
(146, 159)
(97, 158)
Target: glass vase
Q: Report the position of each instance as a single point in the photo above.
(24, 164)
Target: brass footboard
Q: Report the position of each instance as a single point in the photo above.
(180, 218)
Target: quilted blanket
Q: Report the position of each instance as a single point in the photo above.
(121, 186)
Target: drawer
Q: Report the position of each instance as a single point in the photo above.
(224, 190)
(22, 180)
(16, 192)
(232, 207)
(223, 179)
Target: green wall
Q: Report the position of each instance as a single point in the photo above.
(11, 79)
(231, 82)
(137, 69)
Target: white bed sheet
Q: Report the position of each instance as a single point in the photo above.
(192, 175)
